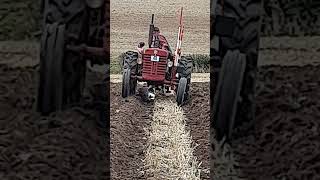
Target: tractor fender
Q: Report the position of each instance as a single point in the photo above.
(94, 3)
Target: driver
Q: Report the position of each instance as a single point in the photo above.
(140, 47)
(163, 41)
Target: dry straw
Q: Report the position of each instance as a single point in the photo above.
(170, 148)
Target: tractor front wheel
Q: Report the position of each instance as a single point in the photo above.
(126, 83)
(182, 91)
(184, 71)
(50, 93)
(227, 94)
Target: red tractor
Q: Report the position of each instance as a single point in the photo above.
(158, 66)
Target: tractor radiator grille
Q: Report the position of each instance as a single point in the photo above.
(154, 71)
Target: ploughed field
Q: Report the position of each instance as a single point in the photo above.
(130, 19)
(284, 142)
(149, 139)
(63, 145)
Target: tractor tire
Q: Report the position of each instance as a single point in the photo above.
(126, 82)
(245, 38)
(50, 93)
(75, 76)
(129, 68)
(185, 66)
(62, 73)
(130, 60)
(227, 94)
(182, 91)
(101, 101)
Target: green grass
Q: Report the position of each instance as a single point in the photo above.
(201, 63)
(115, 64)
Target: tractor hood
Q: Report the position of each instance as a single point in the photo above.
(156, 52)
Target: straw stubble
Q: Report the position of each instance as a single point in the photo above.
(170, 148)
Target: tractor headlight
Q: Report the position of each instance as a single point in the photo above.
(170, 63)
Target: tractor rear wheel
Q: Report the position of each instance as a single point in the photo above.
(184, 71)
(227, 94)
(186, 67)
(129, 85)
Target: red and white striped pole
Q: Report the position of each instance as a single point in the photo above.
(179, 40)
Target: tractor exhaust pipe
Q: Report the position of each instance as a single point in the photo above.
(152, 18)
(151, 28)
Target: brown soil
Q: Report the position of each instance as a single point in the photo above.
(19, 19)
(197, 112)
(129, 118)
(128, 139)
(64, 145)
(284, 142)
(129, 22)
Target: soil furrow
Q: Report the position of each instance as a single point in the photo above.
(197, 122)
(129, 126)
